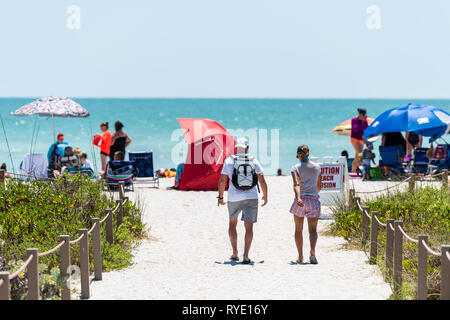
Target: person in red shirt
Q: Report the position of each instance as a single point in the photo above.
(105, 144)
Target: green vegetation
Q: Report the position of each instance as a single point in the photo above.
(34, 214)
(425, 211)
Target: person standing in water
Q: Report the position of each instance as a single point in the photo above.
(307, 181)
(105, 144)
(359, 124)
(119, 140)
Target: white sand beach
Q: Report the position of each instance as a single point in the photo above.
(190, 257)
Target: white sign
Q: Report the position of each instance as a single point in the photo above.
(332, 176)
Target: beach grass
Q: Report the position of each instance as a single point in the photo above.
(425, 211)
(34, 214)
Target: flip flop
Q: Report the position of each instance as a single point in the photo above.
(246, 261)
(234, 258)
(313, 260)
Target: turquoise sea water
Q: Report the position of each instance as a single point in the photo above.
(152, 124)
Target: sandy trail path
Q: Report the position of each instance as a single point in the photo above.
(190, 258)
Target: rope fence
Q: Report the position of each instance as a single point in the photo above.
(32, 263)
(394, 251)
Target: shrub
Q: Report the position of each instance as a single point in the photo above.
(34, 214)
(425, 211)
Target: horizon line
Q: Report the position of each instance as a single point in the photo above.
(233, 98)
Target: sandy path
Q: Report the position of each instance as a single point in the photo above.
(190, 258)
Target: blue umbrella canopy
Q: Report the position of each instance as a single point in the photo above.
(425, 120)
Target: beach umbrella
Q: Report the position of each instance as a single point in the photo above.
(345, 128)
(209, 144)
(425, 120)
(52, 107)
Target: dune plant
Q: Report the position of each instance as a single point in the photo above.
(424, 211)
(34, 214)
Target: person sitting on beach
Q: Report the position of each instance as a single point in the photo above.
(51, 154)
(244, 171)
(7, 175)
(367, 156)
(307, 182)
(119, 155)
(85, 162)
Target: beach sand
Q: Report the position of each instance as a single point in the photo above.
(187, 256)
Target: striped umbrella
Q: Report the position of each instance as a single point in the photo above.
(52, 107)
(345, 128)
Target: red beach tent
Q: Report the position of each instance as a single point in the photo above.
(209, 144)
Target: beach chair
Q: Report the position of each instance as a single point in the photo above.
(34, 166)
(120, 171)
(419, 162)
(390, 158)
(80, 170)
(145, 173)
(440, 159)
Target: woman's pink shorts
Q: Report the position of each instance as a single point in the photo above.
(310, 209)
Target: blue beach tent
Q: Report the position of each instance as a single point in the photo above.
(425, 120)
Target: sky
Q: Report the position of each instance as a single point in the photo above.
(225, 48)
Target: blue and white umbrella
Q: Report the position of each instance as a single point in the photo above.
(52, 107)
(425, 120)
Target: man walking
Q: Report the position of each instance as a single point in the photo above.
(244, 172)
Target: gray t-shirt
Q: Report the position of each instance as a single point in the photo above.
(309, 173)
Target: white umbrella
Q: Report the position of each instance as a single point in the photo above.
(52, 107)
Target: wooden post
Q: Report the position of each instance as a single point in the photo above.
(84, 263)
(398, 255)
(445, 179)
(412, 183)
(4, 287)
(33, 274)
(389, 246)
(365, 224)
(445, 273)
(97, 249)
(121, 190)
(422, 288)
(64, 266)
(109, 226)
(373, 238)
(119, 218)
(352, 199)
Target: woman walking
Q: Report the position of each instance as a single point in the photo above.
(119, 140)
(307, 183)
(359, 124)
(105, 144)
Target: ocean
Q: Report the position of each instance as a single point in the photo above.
(275, 127)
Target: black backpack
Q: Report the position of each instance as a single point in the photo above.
(244, 176)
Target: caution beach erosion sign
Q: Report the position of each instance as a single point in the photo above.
(332, 176)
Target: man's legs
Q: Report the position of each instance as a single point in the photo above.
(312, 228)
(232, 233)
(248, 238)
(298, 235)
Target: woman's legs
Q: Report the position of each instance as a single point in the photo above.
(298, 235)
(312, 228)
(104, 159)
(358, 148)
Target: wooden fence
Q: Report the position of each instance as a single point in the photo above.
(395, 235)
(32, 262)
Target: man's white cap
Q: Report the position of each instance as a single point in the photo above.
(241, 143)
